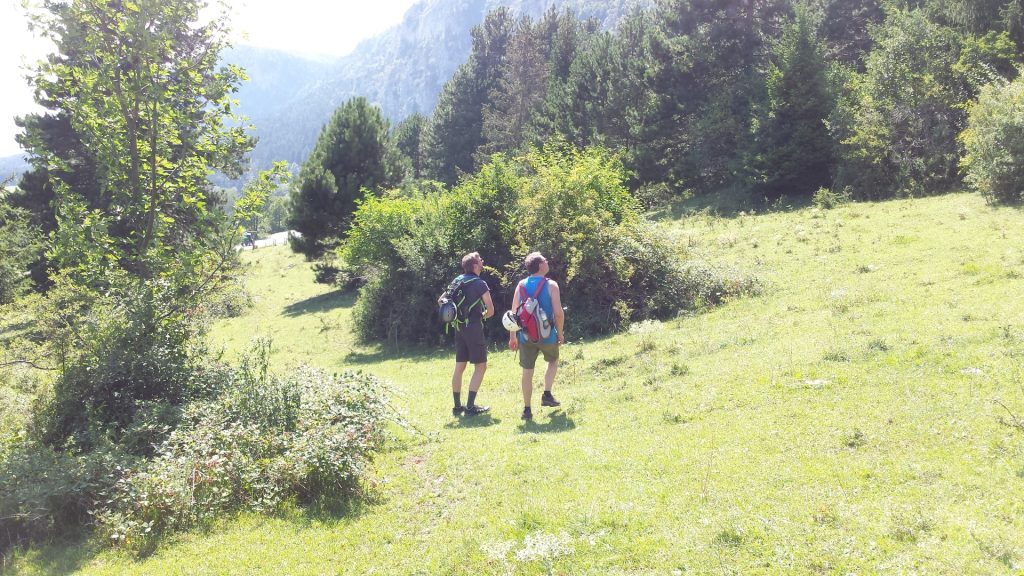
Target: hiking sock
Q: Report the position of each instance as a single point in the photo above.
(457, 396)
(471, 401)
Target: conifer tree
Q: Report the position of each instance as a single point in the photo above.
(408, 138)
(353, 154)
(845, 29)
(519, 91)
(709, 55)
(456, 126)
(797, 148)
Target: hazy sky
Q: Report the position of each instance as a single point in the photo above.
(312, 27)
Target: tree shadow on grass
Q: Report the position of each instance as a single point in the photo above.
(63, 556)
(383, 352)
(725, 205)
(558, 422)
(322, 303)
(341, 510)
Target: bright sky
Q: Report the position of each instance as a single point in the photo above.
(309, 27)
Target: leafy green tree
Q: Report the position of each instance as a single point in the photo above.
(139, 86)
(797, 156)
(22, 244)
(139, 113)
(353, 154)
(898, 126)
(973, 17)
(250, 208)
(275, 215)
(51, 134)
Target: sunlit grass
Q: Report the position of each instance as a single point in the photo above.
(846, 421)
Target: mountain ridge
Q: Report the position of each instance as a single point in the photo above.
(401, 70)
(290, 97)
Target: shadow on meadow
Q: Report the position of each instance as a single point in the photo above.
(558, 422)
(727, 205)
(322, 303)
(384, 352)
(63, 556)
(337, 511)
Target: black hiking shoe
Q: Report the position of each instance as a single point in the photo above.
(458, 410)
(527, 414)
(548, 400)
(474, 410)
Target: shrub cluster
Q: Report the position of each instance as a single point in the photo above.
(614, 268)
(254, 442)
(994, 142)
(126, 355)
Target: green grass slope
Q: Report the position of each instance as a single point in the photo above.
(846, 421)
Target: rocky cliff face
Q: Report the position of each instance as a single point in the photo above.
(402, 70)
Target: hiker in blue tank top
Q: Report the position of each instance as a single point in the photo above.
(550, 301)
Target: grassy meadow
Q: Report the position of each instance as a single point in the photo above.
(854, 418)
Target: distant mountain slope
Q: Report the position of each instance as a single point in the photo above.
(402, 70)
(12, 167)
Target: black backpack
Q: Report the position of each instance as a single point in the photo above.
(453, 307)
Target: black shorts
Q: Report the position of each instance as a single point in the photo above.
(470, 345)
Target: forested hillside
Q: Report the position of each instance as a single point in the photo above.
(771, 101)
(11, 167)
(401, 70)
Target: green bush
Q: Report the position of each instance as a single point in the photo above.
(571, 205)
(827, 199)
(121, 351)
(45, 493)
(994, 143)
(408, 247)
(257, 442)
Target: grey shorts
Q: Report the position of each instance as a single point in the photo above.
(470, 344)
(528, 352)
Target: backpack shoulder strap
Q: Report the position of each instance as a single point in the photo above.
(540, 286)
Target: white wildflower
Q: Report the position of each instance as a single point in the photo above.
(543, 546)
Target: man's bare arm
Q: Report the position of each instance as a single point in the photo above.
(488, 305)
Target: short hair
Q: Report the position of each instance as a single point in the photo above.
(533, 262)
(470, 260)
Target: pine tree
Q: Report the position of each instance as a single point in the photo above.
(408, 138)
(708, 54)
(798, 150)
(845, 29)
(456, 127)
(521, 86)
(353, 154)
